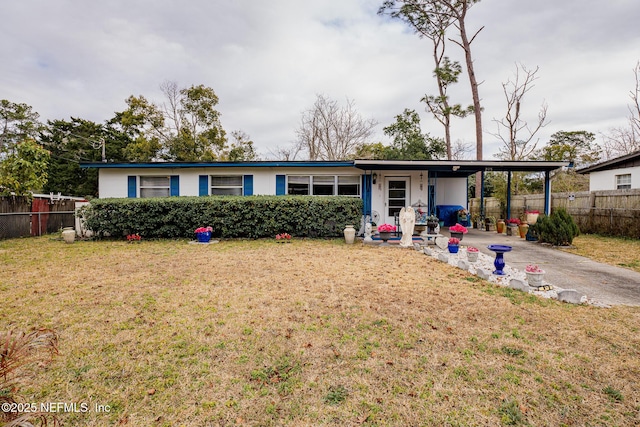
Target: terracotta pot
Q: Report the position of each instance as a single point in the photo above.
(500, 226)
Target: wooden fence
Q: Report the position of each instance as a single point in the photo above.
(615, 212)
(21, 216)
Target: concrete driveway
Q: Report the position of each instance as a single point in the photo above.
(601, 282)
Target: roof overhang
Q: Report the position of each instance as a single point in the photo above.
(446, 168)
(255, 164)
(632, 158)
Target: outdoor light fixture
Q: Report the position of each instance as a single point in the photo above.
(374, 177)
(420, 181)
(456, 167)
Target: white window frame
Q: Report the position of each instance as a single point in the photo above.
(142, 187)
(335, 185)
(623, 181)
(212, 187)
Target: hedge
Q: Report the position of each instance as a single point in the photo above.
(229, 216)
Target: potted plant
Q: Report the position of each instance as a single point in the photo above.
(432, 224)
(454, 245)
(512, 226)
(489, 222)
(476, 219)
(203, 234)
(134, 238)
(458, 231)
(385, 230)
(283, 238)
(534, 275)
(472, 253)
(532, 216)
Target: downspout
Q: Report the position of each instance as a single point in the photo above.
(482, 212)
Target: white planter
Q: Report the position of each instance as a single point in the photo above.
(69, 235)
(349, 234)
(535, 279)
(472, 256)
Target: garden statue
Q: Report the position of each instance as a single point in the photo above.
(367, 233)
(407, 222)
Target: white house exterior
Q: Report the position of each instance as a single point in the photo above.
(621, 173)
(385, 186)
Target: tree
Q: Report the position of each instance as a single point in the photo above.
(575, 146)
(626, 140)
(24, 170)
(450, 13)
(17, 123)
(186, 127)
(519, 143)
(241, 149)
(77, 140)
(431, 23)
(330, 132)
(409, 143)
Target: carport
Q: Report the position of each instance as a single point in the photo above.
(434, 169)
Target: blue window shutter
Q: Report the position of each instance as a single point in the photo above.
(248, 185)
(280, 185)
(132, 186)
(203, 185)
(174, 189)
(366, 194)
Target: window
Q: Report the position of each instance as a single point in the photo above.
(226, 185)
(298, 185)
(155, 186)
(348, 186)
(623, 182)
(324, 185)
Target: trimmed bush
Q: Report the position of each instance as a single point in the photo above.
(558, 229)
(229, 216)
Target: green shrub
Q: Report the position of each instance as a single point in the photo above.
(250, 216)
(558, 229)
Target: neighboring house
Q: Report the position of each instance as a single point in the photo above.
(385, 186)
(621, 173)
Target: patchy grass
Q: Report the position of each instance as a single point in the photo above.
(166, 333)
(618, 251)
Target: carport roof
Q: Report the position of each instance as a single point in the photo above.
(460, 167)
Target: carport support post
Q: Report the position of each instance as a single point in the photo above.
(481, 193)
(508, 195)
(547, 193)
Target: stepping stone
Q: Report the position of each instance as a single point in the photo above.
(519, 285)
(484, 274)
(571, 296)
(463, 265)
(443, 258)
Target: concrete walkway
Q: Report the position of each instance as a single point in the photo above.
(601, 282)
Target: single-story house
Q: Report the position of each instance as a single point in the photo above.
(620, 173)
(385, 186)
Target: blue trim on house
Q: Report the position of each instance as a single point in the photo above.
(258, 164)
(281, 188)
(248, 185)
(132, 186)
(203, 185)
(174, 186)
(547, 193)
(366, 194)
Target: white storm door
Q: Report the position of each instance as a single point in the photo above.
(397, 196)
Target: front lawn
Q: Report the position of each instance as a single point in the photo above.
(166, 333)
(618, 251)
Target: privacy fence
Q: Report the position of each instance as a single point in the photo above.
(21, 216)
(615, 213)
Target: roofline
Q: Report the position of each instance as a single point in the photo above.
(257, 164)
(610, 162)
(476, 165)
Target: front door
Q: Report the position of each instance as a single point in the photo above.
(397, 197)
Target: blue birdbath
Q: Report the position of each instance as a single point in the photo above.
(499, 261)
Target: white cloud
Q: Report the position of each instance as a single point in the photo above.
(268, 60)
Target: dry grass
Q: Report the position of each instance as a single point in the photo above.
(616, 251)
(309, 333)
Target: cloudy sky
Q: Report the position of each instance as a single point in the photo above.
(267, 60)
